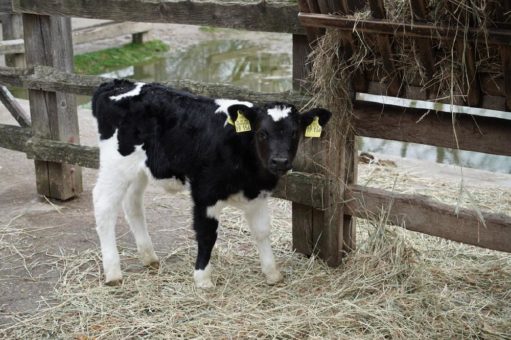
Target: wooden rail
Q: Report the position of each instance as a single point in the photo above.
(414, 212)
(86, 34)
(475, 133)
(268, 16)
(423, 214)
(496, 36)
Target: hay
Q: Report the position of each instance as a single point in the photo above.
(397, 284)
(450, 81)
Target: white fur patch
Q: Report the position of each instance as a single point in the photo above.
(133, 93)
(170, 185)
(279, 112)
(202, 278)
(237, 200)
(224, 104)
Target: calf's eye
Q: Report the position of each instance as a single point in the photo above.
(263, 135)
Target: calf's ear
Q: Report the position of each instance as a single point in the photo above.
(235, 111)
(322, 115)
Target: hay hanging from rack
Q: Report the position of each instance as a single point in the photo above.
(332, 72)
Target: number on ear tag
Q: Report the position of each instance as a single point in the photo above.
(242, 124)
(314, 129)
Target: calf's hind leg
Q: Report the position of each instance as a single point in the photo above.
(133, 206)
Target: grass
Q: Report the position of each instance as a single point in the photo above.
(119, 57)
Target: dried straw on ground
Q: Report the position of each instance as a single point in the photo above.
(397, 284)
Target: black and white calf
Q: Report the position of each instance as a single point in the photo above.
(227, 152)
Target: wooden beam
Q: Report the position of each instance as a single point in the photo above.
(384, 46)
(505, 53)
(474, 133)
(86, 34)
(6, 6)
(14, 137)
(50, 79)
(12, 28)
(269, 16)
(14, 107)
(424, 46)
(496, 36)
(423, 214)
(54, 114)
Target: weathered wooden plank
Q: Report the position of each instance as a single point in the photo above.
(272, 16)
(84, 35)
(302, 215)
(385, 48)
(466, 51)
(14, 107)
(474, 133)
(301, 69)
(12, 28)
(505, 53)
(424, 46)
(312, 32)
(423, 214)
(6, 6)
(306, 189)
(54, 116)
(49, 79)
(496, 36)
(14, 137)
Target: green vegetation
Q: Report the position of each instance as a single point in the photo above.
(119, 57)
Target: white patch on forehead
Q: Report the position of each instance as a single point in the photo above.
(133, 93)
(279, 112)
(224, 104)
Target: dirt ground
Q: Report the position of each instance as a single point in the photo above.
(49, 228)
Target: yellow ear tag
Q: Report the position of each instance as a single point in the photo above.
(242, 124)
(314, 129)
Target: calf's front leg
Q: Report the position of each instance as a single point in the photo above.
(205, 225)
(258, 218)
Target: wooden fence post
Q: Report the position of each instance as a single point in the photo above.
(48, 41)
(12, 28)
(329, 232)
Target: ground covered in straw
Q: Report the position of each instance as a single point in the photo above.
(397, 284)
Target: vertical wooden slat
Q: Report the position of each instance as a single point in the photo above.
(424, 46)
(466, 53)
(505, 53)
(12, 28)
(54, 114)
(328, 232)
(312, 32)
(384, 46)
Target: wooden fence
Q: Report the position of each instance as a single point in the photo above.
(322, 217)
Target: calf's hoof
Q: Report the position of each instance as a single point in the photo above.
(274, 278)
(113, 283)
(204, 284)
(153, 265)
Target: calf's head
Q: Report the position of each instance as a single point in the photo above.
(277, 128)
